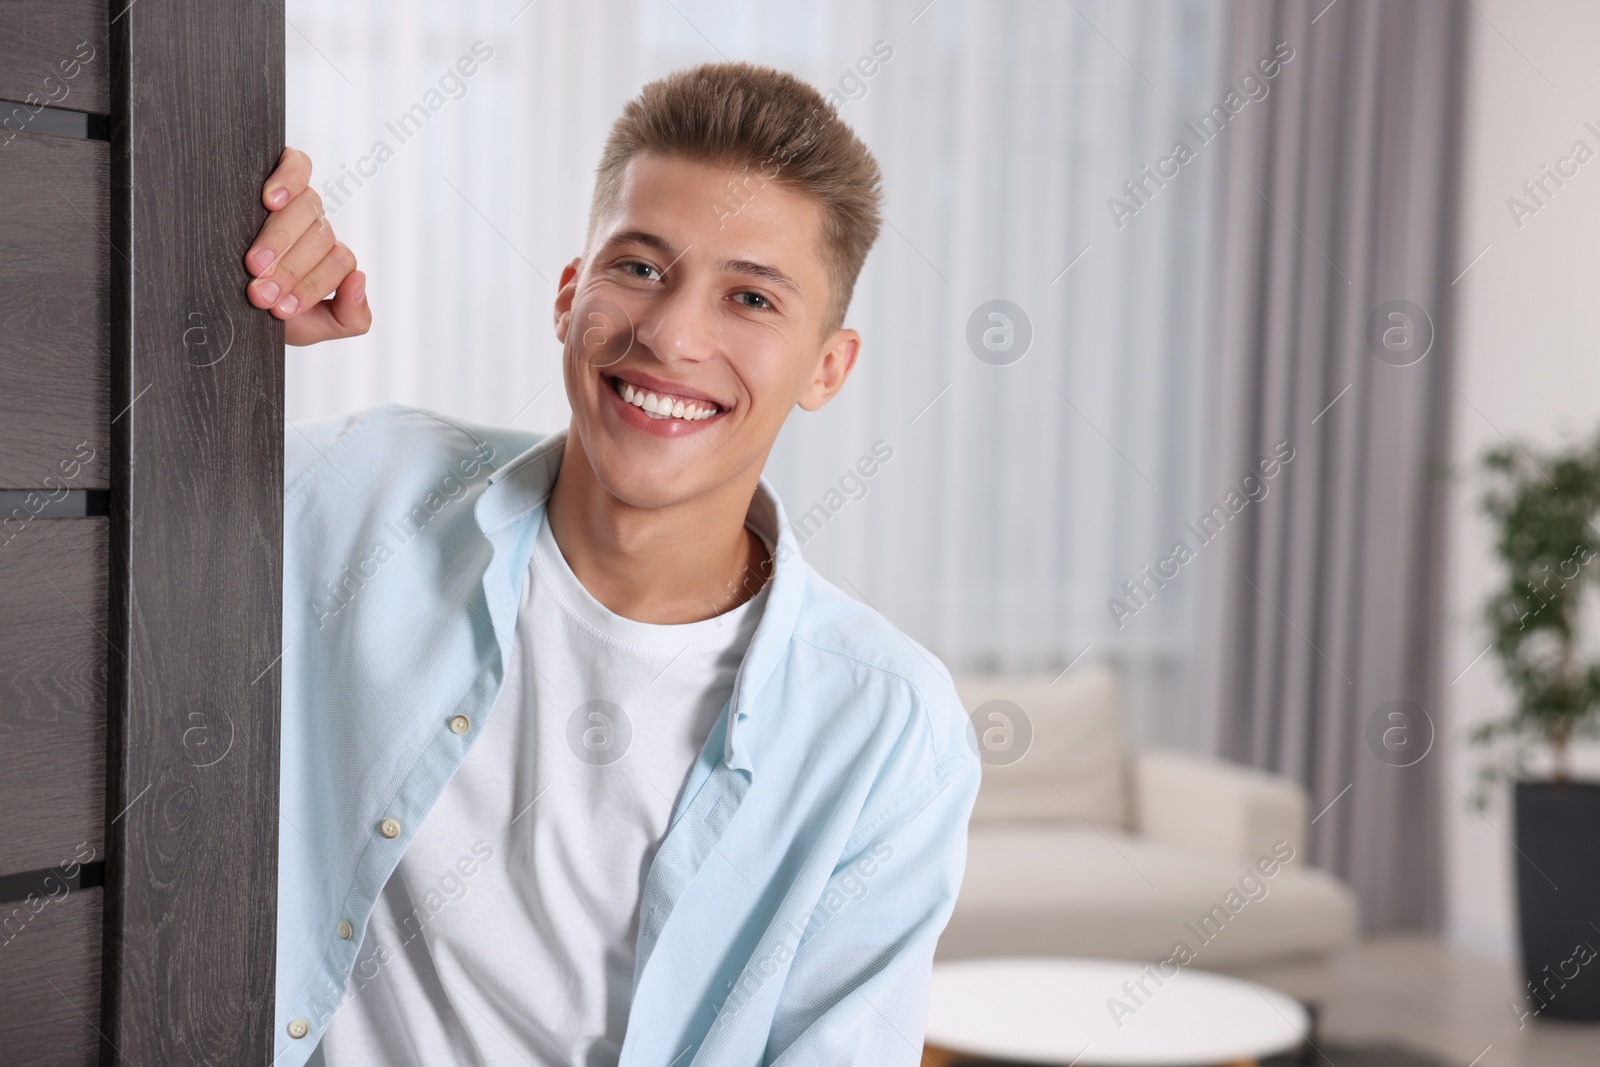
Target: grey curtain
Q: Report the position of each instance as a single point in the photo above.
(1337, 256)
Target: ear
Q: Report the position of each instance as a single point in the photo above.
(566, 289)
(837, 360)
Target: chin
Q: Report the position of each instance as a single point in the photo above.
(639, 489)
(641, 473)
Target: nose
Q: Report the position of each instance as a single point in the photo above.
(679, 327)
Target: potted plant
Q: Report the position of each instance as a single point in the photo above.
(1545, 509)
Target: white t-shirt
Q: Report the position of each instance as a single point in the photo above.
(506, 934)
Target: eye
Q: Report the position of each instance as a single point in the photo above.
(757, 301)
(643, 271)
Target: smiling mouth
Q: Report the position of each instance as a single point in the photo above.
(664, 405)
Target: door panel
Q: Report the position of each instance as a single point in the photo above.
(55, 304)
(141, 525)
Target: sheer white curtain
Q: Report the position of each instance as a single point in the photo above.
(1018, 498)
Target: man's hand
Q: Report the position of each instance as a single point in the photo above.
(297, 262)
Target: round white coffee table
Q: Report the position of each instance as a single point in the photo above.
(1104, 1013)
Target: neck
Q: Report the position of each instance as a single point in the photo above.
(682, 563)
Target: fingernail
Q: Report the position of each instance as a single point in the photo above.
(278, 197)
(268, 291)
(262, 259)
(289, 304)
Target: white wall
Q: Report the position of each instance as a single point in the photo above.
(1528, 369)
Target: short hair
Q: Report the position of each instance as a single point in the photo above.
(744, 116)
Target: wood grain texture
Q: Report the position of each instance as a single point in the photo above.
(50, 979)
(197, 521)
(55, 304)
(53, 656)
(42, 55)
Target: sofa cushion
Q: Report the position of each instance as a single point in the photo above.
(1072, 771)
(1213, 806)
(1037, 891)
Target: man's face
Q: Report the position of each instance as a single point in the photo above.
(712, 314)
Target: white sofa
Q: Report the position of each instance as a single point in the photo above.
(1082, 848)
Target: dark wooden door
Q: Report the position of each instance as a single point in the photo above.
(141, 470)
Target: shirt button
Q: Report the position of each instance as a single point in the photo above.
(346, 930)
(460, 724)
(298, 1028)
(389, 828)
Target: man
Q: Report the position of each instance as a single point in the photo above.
(582, 763)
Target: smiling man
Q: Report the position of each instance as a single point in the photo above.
(582, 763)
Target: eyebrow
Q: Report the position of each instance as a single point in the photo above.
(640, 237)
(761, 270)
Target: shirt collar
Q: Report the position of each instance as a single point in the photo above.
(509, 511)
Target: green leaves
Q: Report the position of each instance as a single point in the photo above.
(1545, 508)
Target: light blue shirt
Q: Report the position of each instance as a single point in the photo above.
(790, 913)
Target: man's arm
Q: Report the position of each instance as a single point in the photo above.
(857, 990)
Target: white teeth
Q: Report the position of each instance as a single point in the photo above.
(664, 407)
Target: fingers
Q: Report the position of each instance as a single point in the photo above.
(281, 286)
(323, 278)
(292, 242)
(346, 315)
(291, 178)
(288, 184)
(296, 261)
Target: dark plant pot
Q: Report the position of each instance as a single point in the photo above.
(1558, 897)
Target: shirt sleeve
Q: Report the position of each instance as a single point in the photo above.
(857, 988)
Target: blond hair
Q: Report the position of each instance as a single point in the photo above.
(745, 117)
